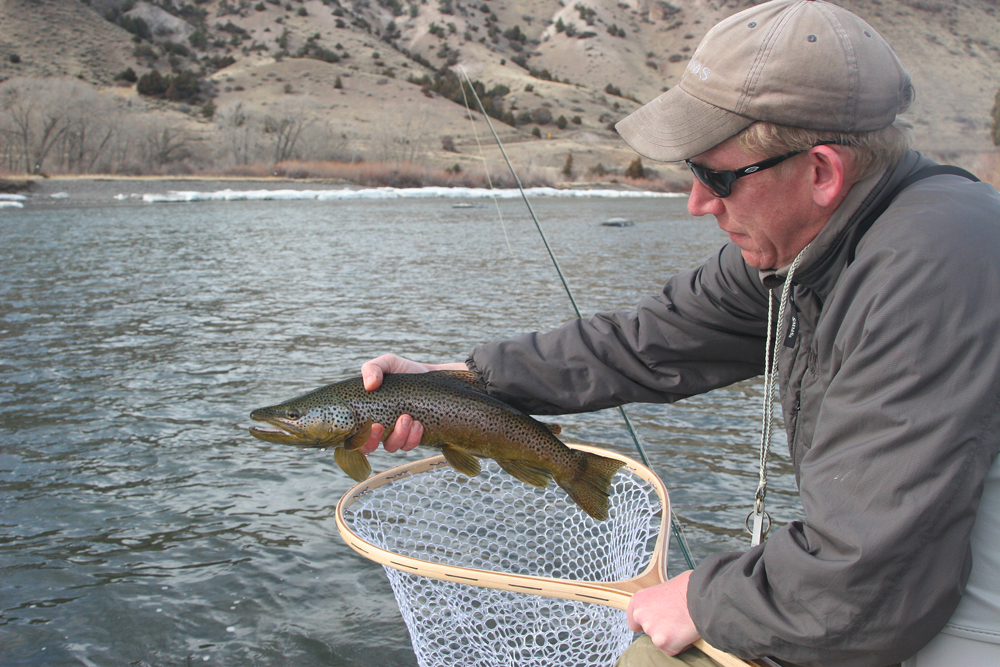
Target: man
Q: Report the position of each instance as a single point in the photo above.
(889, 369)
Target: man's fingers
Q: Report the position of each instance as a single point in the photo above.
(374, 371)
(371, 374)
(413, 438)
(630, 615)
(373, 439)
(632, 625)
(406, 435)
(668, 644)
(402, 434)
(662, 642)
(661, 612)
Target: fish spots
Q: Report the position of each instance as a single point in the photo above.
(457, 416)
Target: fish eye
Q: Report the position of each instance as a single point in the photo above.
(292, 414)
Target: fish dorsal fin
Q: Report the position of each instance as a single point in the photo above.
(358, 439)
(353, 462)
(554, 429)
(467, 378)
(528, 473)
(461, 460)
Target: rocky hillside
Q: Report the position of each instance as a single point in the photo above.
(258, 81)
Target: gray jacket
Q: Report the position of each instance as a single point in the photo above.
(890, 388)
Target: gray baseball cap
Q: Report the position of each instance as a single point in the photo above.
(803, 63)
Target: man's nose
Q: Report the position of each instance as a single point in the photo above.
(701, 201)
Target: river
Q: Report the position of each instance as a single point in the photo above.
(141, 525)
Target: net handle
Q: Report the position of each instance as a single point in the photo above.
(616, 594)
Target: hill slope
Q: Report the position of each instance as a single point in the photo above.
(329, 79)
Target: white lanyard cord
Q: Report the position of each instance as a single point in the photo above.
(770, 382)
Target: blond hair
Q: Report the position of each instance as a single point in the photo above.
(873, 151)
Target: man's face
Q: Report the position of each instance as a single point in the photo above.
(769, 215)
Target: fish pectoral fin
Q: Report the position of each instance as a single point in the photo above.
(358, 439)
(554, 429)
(461, 460)
(529, 473)
(353, 462)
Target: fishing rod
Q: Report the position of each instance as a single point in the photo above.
(674, 522)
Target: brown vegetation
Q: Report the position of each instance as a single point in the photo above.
(385, 174)
(408, 175)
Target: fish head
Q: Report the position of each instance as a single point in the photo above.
(305, 422)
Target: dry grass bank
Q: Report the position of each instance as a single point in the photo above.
(382, 174)
(408, 175)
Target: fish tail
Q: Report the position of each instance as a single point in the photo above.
(589, 485)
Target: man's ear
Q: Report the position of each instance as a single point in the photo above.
(828, 171)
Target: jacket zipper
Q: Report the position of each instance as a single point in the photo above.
(793, 441)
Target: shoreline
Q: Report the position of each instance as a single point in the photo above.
(41, 186)
(77, 190)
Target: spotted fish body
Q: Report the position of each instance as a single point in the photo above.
(458, 417)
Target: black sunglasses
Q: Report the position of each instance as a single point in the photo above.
(720, 183)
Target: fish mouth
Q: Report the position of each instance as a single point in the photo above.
(283, 433)
(279, 432)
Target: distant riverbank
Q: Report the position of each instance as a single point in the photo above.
(301, 175)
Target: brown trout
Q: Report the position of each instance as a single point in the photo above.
(458, 417)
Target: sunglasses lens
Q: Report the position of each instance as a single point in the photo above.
(713, 180)
(719, 188)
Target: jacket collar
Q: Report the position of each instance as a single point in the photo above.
(826, 256)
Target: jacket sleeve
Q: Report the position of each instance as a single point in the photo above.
(904, 435)
(705, 330)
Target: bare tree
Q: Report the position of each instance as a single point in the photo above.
(36, 116)
(63, 122)
(284, 130)
(123, 154)
(246, 136)
(393, 141)
(91, 129)
(321, 140)
(7, 153)
(79, 148)
(237, 124)
(163, 145)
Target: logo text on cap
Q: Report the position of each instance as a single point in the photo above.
(697, 68)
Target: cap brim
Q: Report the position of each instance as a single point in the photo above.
(678, 126)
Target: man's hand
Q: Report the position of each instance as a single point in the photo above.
(372, 371)
(407, 432)
(661, 612)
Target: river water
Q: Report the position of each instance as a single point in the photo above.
(141, 525)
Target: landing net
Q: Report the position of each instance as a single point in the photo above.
(425, 520)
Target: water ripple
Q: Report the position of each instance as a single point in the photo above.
(140, 524)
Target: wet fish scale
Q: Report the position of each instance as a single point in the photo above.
(458, 417)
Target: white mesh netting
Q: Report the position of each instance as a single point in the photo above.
(494, 522)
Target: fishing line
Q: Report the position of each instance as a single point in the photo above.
(518, 277)
(486, 166)
(674, 522)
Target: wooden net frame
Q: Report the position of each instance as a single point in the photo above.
(428, 548)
